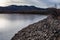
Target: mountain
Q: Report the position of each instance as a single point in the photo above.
(20, 8)
(47, 29)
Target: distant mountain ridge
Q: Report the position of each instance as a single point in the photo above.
(29, 9)
(20, 8)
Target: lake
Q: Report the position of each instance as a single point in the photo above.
(12, 23)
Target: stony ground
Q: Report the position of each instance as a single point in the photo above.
(47, 29)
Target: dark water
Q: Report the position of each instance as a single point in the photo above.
(12, 23)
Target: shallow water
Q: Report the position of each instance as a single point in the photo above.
(12, 23)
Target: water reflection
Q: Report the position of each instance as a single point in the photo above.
(12, 23)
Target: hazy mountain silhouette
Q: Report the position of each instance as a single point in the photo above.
(20, 8)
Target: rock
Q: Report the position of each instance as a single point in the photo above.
(47, 29)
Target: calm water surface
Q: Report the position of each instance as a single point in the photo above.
(12, 23)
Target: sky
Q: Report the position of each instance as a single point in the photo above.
(37, 3)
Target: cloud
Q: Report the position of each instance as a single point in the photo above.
(37, 3)
(55, 1)
(28, 2)
(24, 2)
(51, 3)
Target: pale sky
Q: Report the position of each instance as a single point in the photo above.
(37, 3)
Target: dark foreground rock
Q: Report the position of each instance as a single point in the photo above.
(47, 29)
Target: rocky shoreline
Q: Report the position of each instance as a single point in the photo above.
(47, 29)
